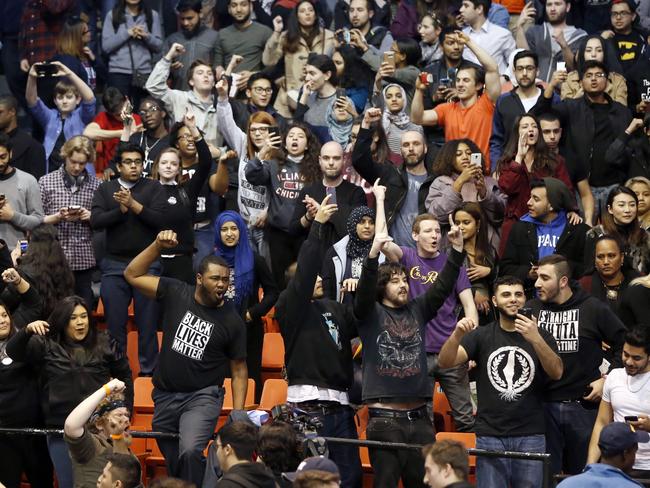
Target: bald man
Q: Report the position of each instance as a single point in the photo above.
(407, 187)
(345, 194)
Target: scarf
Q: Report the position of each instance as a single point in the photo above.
(240, 257)
(340, 131)
(357, 248)
(430, 52)
(402, 119)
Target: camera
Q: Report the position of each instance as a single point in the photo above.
(306, 427)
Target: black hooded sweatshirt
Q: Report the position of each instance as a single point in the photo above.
(580, 326)
(248, 475)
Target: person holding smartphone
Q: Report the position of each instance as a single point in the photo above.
(67, 196)
(514, 360)
(625, 394)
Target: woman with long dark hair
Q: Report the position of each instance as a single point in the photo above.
(621, 221)
(351, 78)
(131, 35)
(481, 258)
(19, 401)
(45, 266)
(303, 35)
(74, 360)
(248, 271)
(526, 157)
(284, 177)
(460, 181)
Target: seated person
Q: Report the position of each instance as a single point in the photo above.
(610, 278)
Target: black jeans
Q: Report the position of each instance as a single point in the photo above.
(340, 423)
(28, 454)
(284, 251)
(83, 285)
(391, 465)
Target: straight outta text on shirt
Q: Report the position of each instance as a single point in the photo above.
(192, 336)
(563, 325)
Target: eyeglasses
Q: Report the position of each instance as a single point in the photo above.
(525, 68)
(260, 129)
(259, 90)
(620, 14)
(132, 162)
(187, 137)
(149, 110)
(590, 76)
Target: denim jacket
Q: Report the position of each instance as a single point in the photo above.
(51, 122)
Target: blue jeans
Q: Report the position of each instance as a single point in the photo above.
(116, 294)
(194, 415)
(340, 423)
(568, 431)
(455, 383)
(61, 460)
(600, 194)
(502, 472)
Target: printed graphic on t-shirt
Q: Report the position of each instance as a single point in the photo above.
(627, 50)
(645, 90)
(511, 370)
(564, 326)
(333, 329)
(290, 184)
(398, 347)
(428, 279)
(192, 336)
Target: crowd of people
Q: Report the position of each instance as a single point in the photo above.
(417, 191)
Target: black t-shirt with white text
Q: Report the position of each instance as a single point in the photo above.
(198, 341)
(510, 383)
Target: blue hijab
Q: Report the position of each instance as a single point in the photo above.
(240, 257)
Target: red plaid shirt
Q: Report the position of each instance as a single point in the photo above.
(75, 237)
(41, 23)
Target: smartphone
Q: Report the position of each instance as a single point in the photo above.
(631, 418)
(274, 131)
(46, 69)
(74, 208)
(426, 78)
(475, 159)
(561, 66)
(343, 36)
(128, 108)
(526, 312)
(23, 245)
(331, 191)
(340, 93)
(446, 82)
(389, 57)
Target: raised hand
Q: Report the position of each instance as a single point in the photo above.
(464, 326)
(176, 50)
(455, 236)
(166, 239)
(278, 24)
(326, 210)
(379, 191)
(11, 276)
(38, 327)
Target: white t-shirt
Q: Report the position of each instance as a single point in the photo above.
(630, 395)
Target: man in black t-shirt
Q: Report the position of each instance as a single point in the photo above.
(626, 35)
(514, 359)
(202, 335)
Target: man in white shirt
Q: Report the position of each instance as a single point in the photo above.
(625, 398)
(497, 41)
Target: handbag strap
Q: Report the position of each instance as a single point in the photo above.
(133, 70)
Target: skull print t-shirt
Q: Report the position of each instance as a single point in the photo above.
(510, 383)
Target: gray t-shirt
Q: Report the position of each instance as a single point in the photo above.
(248, 43)
(401, 227)
(317, 113)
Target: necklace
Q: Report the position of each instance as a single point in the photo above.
(641, 387)
(612, 290)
